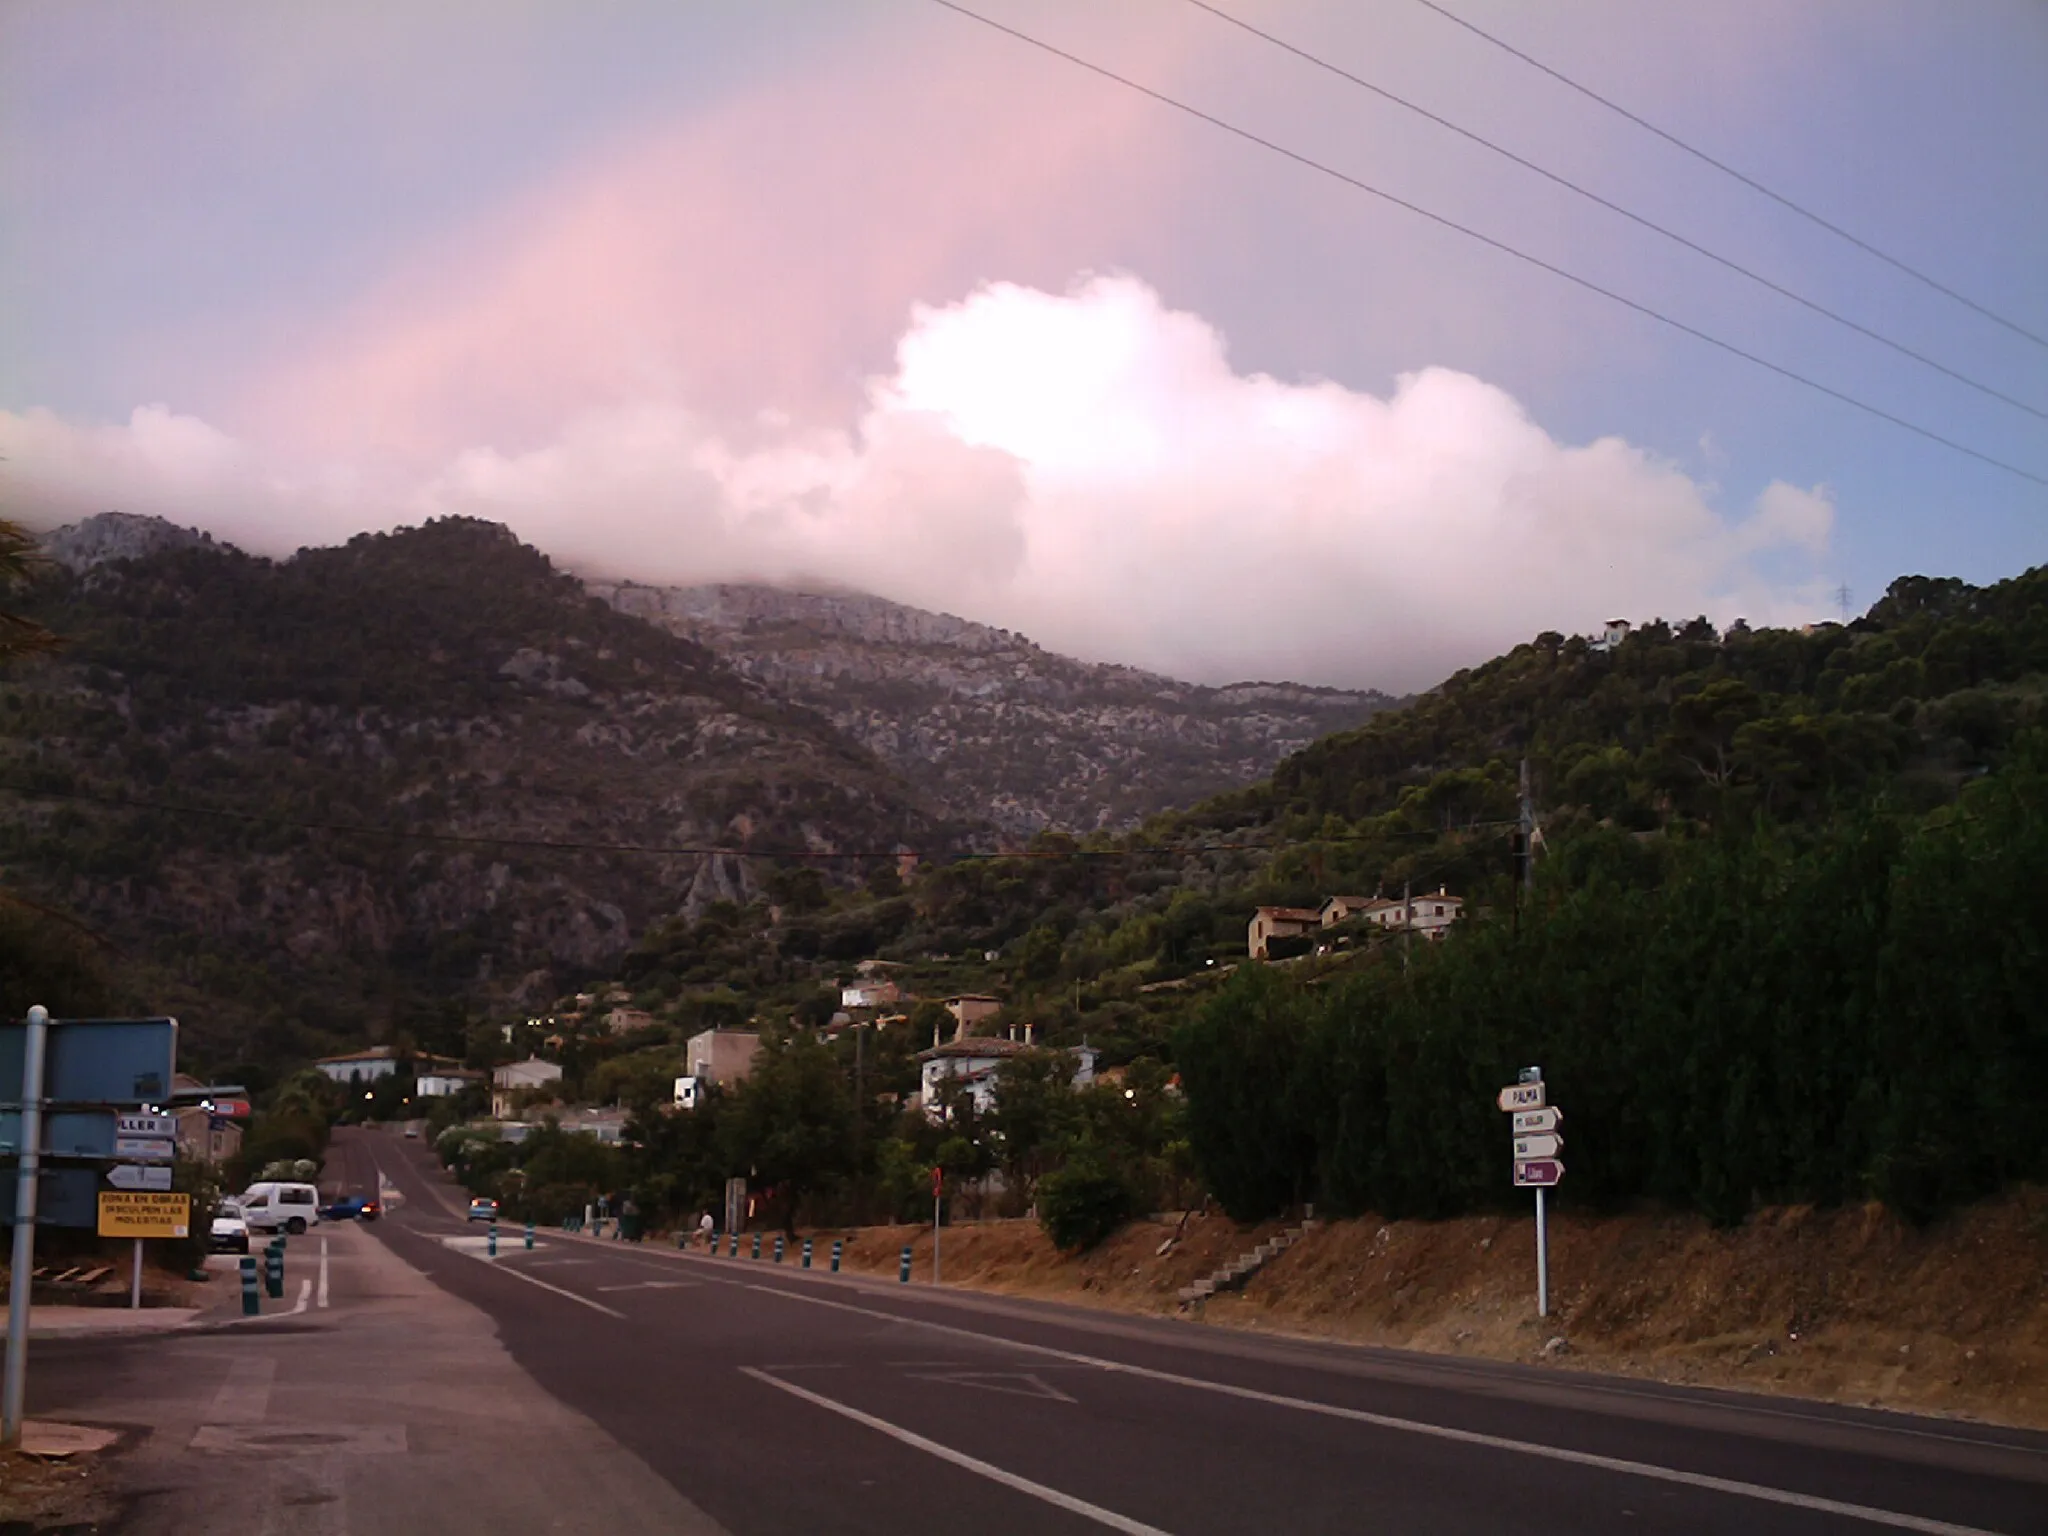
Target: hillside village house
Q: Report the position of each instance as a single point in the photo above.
(870, 994)
(970, 1009)
(509, 1080)
(1269, 923)
(973, 1065)
(721, 1056)
(445, 1082)
(1430, 915)
(359, 1066)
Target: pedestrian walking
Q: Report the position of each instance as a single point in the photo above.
(707, 1229)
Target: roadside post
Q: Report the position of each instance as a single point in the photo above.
(757, 1246)
(733, 1250)
(807, 1253)
(1537, 1143)
(529, 1237)
(251, 1302)
(494, 1239)
(273, 1270)
(837, 1245)
(778, 1247)
(938, 1189)
(903, 1270)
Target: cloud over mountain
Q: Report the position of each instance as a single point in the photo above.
(1086, 467)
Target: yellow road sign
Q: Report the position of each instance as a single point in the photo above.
(138, 1213)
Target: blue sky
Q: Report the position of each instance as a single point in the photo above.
(869, 294)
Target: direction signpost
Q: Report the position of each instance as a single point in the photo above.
(81, 1089)
(1537, 1143)
(134, 1176)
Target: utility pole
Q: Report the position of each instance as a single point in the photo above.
(1528, 833)
(1407, 921)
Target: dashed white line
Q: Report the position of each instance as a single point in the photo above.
(320, 1299)
(305, 1295)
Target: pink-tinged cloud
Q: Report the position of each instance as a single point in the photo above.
(1087, 467)
(756, 256)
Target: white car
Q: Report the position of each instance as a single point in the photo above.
(230, 1233)
(280, 1206)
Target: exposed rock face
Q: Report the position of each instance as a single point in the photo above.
(117, 536)
(538, 777)
(988, 724)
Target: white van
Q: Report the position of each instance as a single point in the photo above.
(277, 1206)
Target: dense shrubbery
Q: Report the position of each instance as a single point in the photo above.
(1083, 1202)
(1817, 1014)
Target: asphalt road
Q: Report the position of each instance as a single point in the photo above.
(784, 1402)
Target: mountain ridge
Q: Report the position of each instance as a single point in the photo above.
(948, 702)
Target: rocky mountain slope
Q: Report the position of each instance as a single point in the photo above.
(189, 773)
(988, 725)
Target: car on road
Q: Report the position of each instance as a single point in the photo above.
(481, 1209)
(229, 1234)
(351, 1208)
(280, 1205)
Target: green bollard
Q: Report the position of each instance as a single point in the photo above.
(734, 1250)
(837, 1244)
(757, 1245)
(273, 1271)
(251, 1302)
(494, 1240)
(529, 1237)
(903, 1273)
(807, 1253)
(683, 1238)
(778, 1247)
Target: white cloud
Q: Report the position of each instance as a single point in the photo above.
(1085, 467)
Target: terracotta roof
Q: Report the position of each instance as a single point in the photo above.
(976, 1047)
(1293, 914)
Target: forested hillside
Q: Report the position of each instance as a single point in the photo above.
(183, 773)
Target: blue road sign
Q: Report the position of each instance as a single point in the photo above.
(95, 1061)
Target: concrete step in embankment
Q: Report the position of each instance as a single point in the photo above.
(1243, 1267)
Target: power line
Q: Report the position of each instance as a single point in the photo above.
(1613, 207)
(1748, 181)
(1499, 245)
(705, 850)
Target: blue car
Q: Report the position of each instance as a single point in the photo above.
(351, 1208)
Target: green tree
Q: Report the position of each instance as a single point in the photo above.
(790, 1124)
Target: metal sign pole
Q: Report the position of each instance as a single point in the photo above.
(938, 1177)
(15, 1389)
(1542, 1260)
(135, 1286)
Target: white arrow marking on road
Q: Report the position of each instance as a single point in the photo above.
(1015, 1383)
(989, 1470)
(651, 1285)
(1644, 1469)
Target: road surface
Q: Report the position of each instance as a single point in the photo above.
(781, 1402)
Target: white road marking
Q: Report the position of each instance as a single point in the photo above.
(989, 1470)
(581, 1301)
(245, 1396)
(652, 1285)
(305, 1295)
(321, 1299)
(1872, 1516)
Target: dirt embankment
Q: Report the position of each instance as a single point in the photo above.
(1850, 1305)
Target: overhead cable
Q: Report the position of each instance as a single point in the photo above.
(1502, 246)
(1627, 213)
(1748, 181)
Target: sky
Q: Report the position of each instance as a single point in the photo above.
(872, 295)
